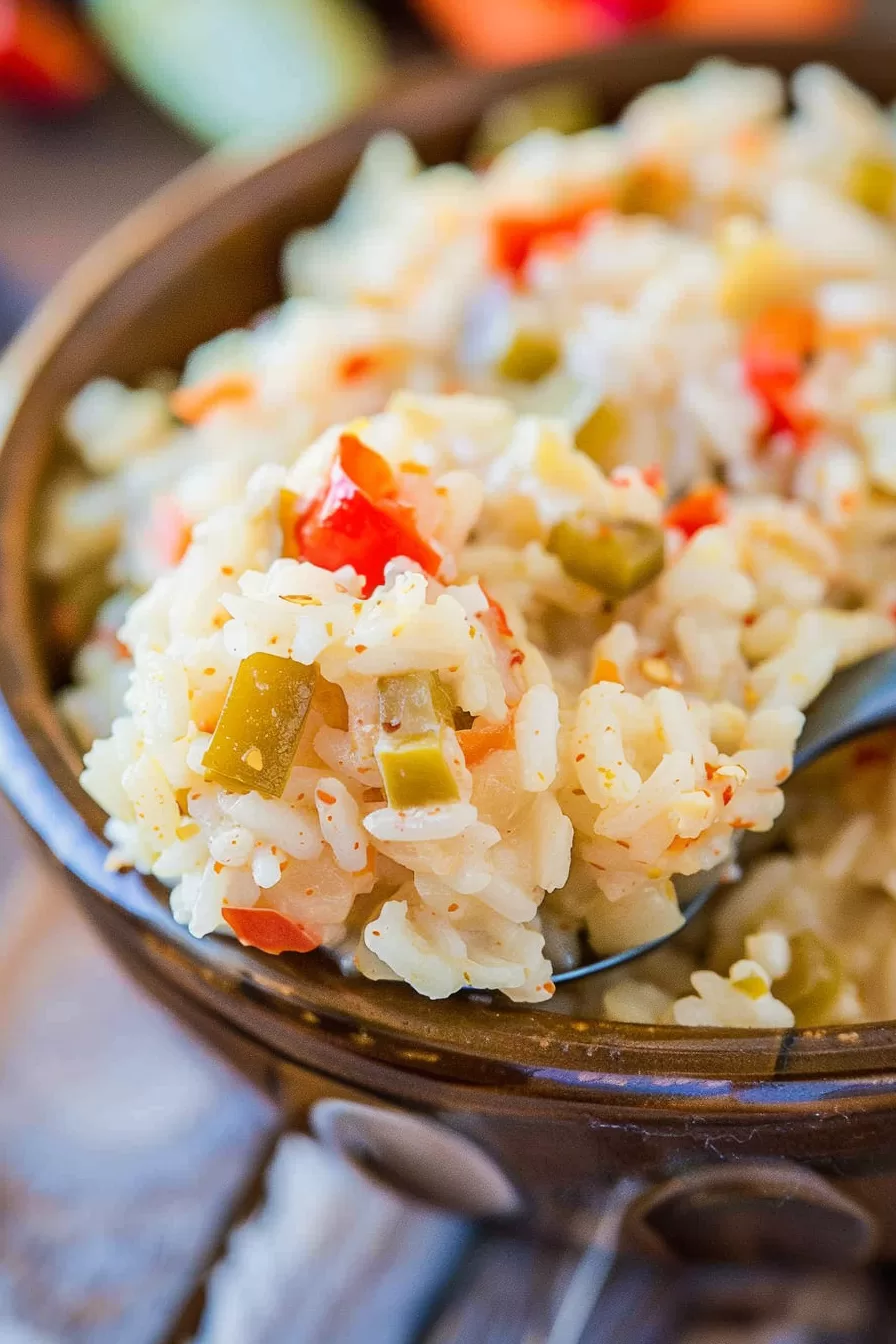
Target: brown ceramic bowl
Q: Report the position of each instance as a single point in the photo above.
(472, 1102)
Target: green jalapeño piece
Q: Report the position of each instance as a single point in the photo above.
(413, 710)
(255, 741)
(615, 558)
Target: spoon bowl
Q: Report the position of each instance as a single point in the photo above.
(859, 700)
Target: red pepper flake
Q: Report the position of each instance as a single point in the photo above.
(727, 794)
(516, 657)
(360, 648)
(326, 797)
(581, 756)
(452, 907)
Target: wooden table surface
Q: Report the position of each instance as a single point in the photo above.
(128, 1154)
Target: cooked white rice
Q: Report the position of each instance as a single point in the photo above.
(568, 336)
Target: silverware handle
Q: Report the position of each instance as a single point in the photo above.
(858, 701)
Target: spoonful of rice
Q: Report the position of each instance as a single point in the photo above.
(859, 700)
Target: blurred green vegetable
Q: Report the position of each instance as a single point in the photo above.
(615, 558)
(528, 357)
(257, 71)
(600, 434)
(566, 108)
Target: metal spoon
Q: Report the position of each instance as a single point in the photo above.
(858, 701)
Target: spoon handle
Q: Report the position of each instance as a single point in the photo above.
(856, 702)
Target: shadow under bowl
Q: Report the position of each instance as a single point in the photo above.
(558, 1105)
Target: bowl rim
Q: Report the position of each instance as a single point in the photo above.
(39, 764)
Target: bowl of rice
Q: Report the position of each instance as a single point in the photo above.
(419, 551)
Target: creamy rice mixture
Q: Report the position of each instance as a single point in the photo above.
(467, 599)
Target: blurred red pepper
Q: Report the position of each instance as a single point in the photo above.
(507, 32)
(46, 63)
(705, 506)
(358, 520)
(512, 238)
(630, 13)
(777, 349)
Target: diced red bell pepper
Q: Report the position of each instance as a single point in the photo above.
(513, 238)
(46, 62)
(483, 738)
(776, 350)
(368, 469)
(357, 520)
(703, 507)
(269, 930)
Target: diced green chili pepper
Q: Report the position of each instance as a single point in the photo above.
(413, 709)
(414, 703)
(255, 741)
(599, 436)
(415, 772)
(813, 982)
(442, 700)
(615, 558)
(528, 357)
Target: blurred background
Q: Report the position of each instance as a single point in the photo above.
(147, 1194)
